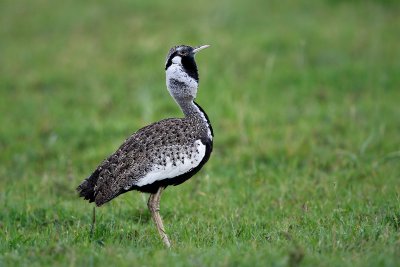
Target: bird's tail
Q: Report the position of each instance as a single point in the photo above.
(86, 188)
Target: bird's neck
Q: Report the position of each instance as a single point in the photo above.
(183, 88)
(189, 107)
(192, 110)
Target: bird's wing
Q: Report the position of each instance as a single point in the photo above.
(151, 146)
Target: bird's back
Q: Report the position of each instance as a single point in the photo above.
(164, 153)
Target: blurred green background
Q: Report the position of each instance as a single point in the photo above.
(303, 97)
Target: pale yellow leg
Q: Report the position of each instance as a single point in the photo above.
(154, 207)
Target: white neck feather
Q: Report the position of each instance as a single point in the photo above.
(179, 83)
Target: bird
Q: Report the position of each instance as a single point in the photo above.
(164, 153)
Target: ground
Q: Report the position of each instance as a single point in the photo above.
(304, 101)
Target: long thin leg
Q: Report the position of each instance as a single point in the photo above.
(93, 222)
(154, 207)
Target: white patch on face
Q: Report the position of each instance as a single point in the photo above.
(161, 172)
(177, 60)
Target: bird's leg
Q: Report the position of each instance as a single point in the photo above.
(154, 207)
(93, 222)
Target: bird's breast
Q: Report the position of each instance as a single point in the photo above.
(176, 160)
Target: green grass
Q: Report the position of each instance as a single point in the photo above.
(304, 101)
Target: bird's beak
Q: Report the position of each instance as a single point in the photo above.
(201, 47)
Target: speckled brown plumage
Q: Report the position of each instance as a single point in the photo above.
(148, 146)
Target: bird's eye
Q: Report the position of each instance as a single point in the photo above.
(183, 53)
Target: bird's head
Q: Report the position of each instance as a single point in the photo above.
(181, 71)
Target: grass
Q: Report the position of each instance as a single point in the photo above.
(304, 101)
